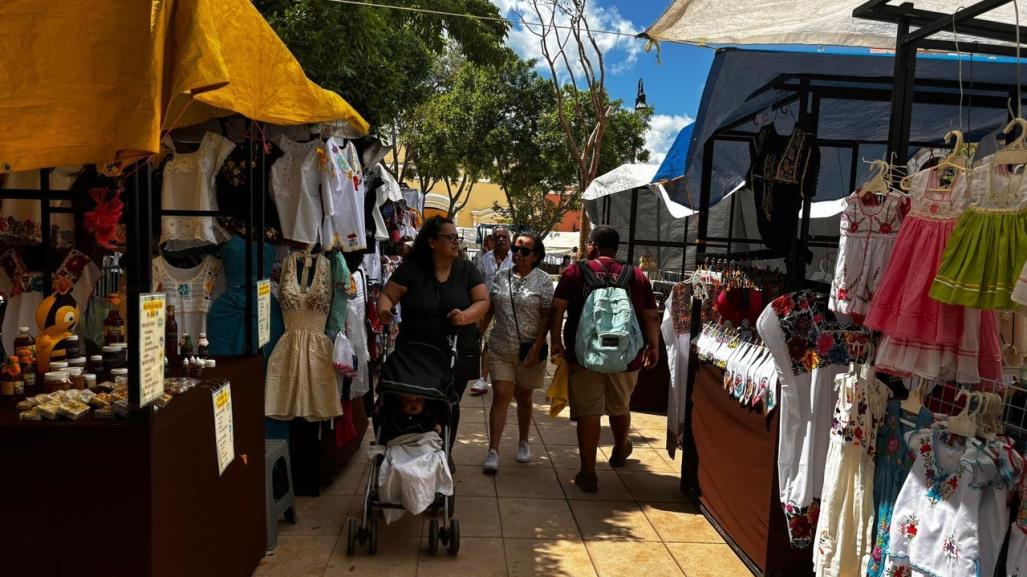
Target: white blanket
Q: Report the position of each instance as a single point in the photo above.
(414, 470)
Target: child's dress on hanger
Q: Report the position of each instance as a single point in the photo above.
(300, 379)
(866, 241)
(988, 247)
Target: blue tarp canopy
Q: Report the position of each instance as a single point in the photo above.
(737, 88)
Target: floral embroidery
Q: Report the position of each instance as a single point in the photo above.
(26, 281)
(941, 486)
(184, 290)
(900, 571)
(949, 547)
(814, 342)
(909, 526)
(802, 522)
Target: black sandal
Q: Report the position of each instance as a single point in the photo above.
(587, 482)
(618, 459)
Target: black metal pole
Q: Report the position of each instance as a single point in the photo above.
(902, 96)
(631, 225)
(249, 284)
(137, 253)
(46, 238)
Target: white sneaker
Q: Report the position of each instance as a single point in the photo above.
(523, 452)
(491, 465)
(479, 387)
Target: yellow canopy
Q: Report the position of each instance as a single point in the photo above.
(89, 81)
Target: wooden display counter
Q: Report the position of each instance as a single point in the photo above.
(137, 497)
(732, 470)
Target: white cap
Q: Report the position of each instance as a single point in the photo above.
(23, 329)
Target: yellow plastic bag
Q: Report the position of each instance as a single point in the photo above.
(557, 393)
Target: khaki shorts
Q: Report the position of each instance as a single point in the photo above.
(509, 368)
(597, 394)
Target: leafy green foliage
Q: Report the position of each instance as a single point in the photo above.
(381, 60)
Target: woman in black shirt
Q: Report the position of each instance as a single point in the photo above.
(440, 294)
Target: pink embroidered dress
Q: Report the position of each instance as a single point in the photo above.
(921, 335)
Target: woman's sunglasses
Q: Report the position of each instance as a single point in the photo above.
(453, 237)
(523, 250)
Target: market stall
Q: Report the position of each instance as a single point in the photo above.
(98, 183)
(848, 116)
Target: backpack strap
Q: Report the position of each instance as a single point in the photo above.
(627, 272)
(589, 276)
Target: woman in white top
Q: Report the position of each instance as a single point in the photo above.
(520, 300)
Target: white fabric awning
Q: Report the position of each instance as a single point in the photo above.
(624, 177)
(816, 22)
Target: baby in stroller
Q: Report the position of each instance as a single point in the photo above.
(410, 457)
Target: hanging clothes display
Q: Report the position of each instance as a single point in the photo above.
(300, 379)
(356, 332)
(189, 184)
(845, 529)
(784, 170)
(233, 187)
(988, 247)
(296, 184)
(228, 310)
(341, 284)
(75, 275)
(20, 219)
(191, 290)
(922, 336)
(809, 352)
(867, 236)
(675, 328)
(343, 224)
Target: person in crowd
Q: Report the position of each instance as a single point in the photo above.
(520, 297)
(564, 263)
(496, 260)
(592, 394)
(441, 295)
(487, 244)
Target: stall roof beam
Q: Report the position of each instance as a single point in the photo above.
(956, 20)
(881, 11)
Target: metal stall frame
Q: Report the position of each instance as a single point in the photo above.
(137, 216)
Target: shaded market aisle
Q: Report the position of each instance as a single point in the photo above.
(528, 520)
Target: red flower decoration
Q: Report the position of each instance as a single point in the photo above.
(102, 221)
(885, 228)
(853, 226)
(911, 530)
(824, 343)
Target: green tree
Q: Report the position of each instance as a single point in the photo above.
(380, 59)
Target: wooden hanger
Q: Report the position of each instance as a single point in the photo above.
(879, 183)
(1016, 151)
(965, 423)
(955, 159)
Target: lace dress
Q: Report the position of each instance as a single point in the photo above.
(189, 185)
(296, 184)
(300, 378)
(191, 290)
(868, 235)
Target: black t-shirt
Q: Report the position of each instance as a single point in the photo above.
(423, 319)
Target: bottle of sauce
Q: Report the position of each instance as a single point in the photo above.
(12, 385)
(202, 345)
(25, 350)
(171, 336)
(71, 346)
(187, 346)
(114, 325)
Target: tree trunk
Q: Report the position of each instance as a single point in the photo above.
(586, 229)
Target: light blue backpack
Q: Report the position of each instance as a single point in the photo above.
(609, 336)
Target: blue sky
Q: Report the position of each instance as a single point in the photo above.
(673, 86)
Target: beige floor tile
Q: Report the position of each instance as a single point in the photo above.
(470, 452)
(537, 519)
(297, 557)
(558, 435)
(478, 557)
(632, 558)
(610, 487)
(566, 457)
(642, 459)
(680, 523)
(535, 482)
(508, 457)
(471, 482)
(472, 432)
(657, 438)
(322, 515)
(351, 480)
(648, 421)
(708, 560)
(617, 520)
(395, 558)
(479, 517)
(654, 486)
(531, 558)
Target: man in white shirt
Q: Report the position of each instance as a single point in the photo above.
(498, 259)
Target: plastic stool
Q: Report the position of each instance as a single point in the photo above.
(280, 499)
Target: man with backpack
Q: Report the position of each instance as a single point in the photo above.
(612, 331)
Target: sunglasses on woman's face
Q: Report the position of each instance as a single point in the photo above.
(523, 250)
(452, 237)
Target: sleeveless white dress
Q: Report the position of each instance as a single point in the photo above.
(300, 378)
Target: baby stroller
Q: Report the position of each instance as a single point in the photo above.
(426, 371)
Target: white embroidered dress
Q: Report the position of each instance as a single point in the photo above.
(189, 185)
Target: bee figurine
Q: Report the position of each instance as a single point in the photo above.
(56, 317)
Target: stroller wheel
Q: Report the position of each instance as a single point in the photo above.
(454, 537)
(433, 536)
(372, 537)
(351, 536)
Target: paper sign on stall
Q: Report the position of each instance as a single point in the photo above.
(151, 347)
(224, 427)
(263, 312)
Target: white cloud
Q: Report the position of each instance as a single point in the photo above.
(619, 52)
(663, 129)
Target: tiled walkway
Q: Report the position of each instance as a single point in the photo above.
(528, 520)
